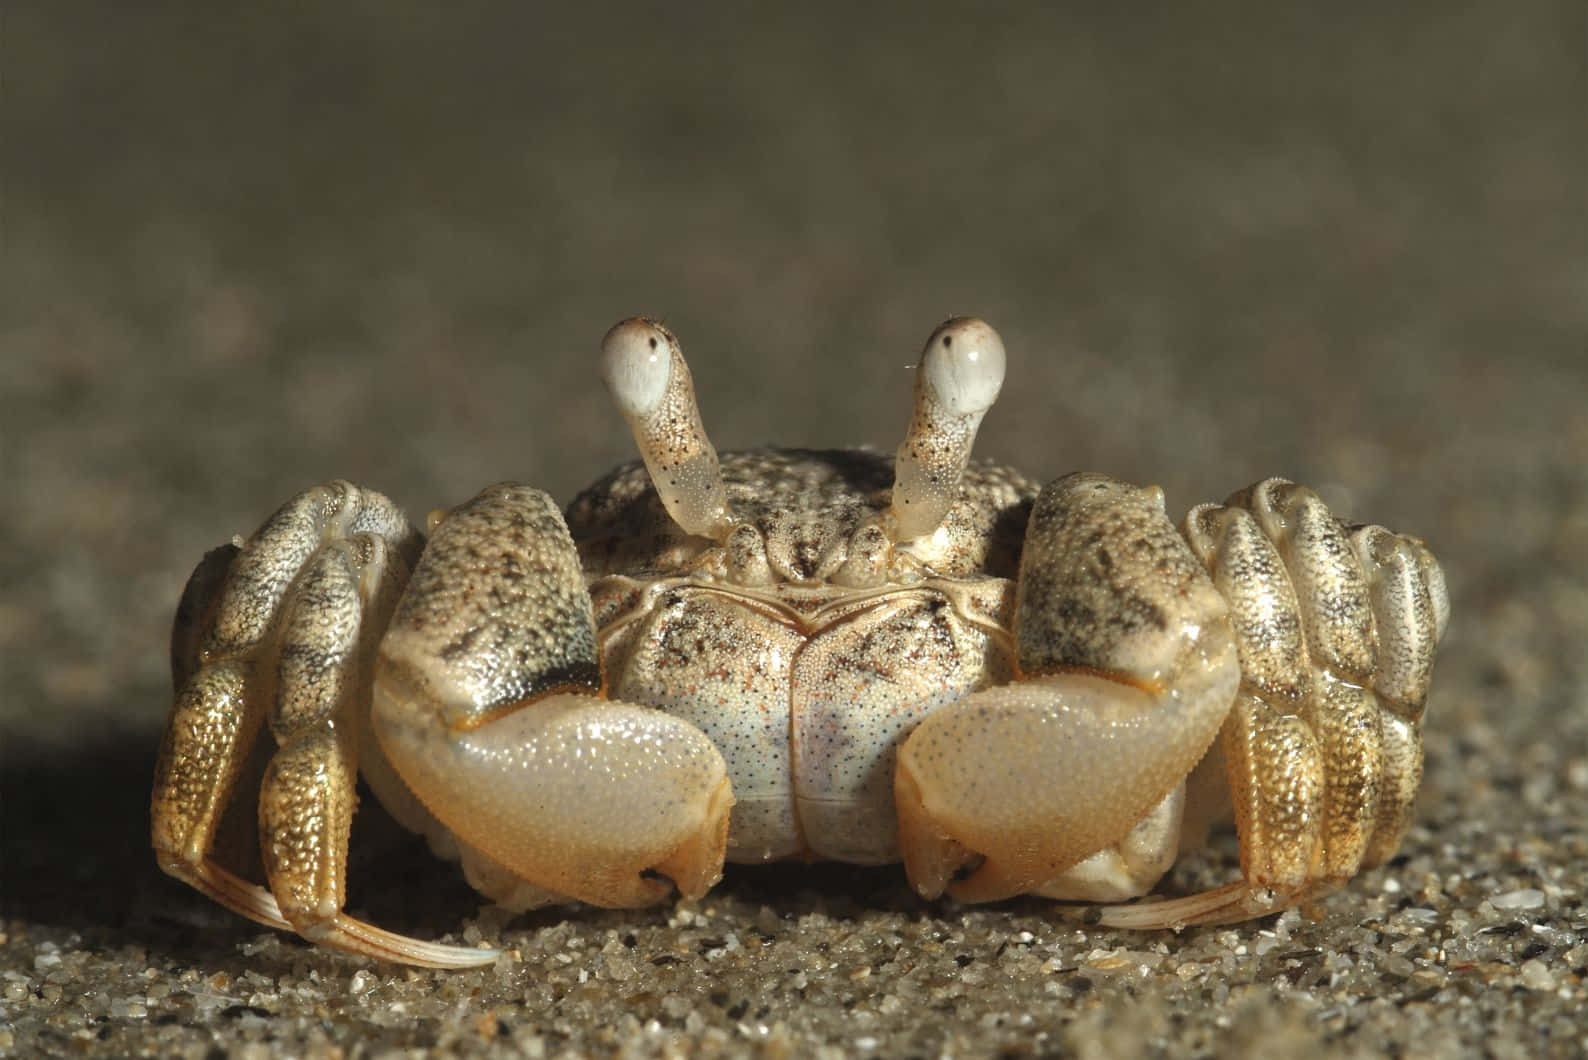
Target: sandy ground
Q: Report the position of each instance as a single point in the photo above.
(248, 252)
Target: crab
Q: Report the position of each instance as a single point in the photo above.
(798, 654)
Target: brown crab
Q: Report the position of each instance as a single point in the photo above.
(804, 654)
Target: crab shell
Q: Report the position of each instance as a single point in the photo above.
(805, 684)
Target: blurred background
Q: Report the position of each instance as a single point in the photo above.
(249, 248)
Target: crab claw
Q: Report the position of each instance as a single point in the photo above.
(1128, 668)
(488, 704)
(579, 796)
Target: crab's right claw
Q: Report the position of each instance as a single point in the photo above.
(488, 704)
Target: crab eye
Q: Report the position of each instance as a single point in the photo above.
(636, 362)
(644, 368)
(963, 363)
(961, 371)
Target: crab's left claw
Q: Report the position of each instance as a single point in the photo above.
(1306, 645)
(1066, 781)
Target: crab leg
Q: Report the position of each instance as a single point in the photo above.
(341, 602)
(489, 704)
(284, 628)
(1127, 668)
(1336, 631)
(214, 721)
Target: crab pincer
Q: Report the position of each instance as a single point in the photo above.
(1127, 668)
(488, 701)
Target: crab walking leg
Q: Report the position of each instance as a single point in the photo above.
(488, 703)
(1412, 609)
(215, 718)
(1336, 635)
(256, 635)
(644, 369)
(338, 607)
(1127, 669)
(195, 612)
(1279, 738)
(957, 381)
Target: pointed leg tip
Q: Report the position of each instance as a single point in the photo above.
(235, 893)
(351, 935)
(339, 932)
(1230, 904)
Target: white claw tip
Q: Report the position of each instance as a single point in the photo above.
(636, 362)
(963, 363)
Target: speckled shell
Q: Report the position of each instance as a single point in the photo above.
(806, 688)
(806, 502)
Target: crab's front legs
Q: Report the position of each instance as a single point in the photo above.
(1127, 669)
(489, 705)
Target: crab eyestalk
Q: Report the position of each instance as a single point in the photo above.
(957, 381)
(645, 372)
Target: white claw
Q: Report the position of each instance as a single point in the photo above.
(577, 795)
(961, 371)
(644, 369)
